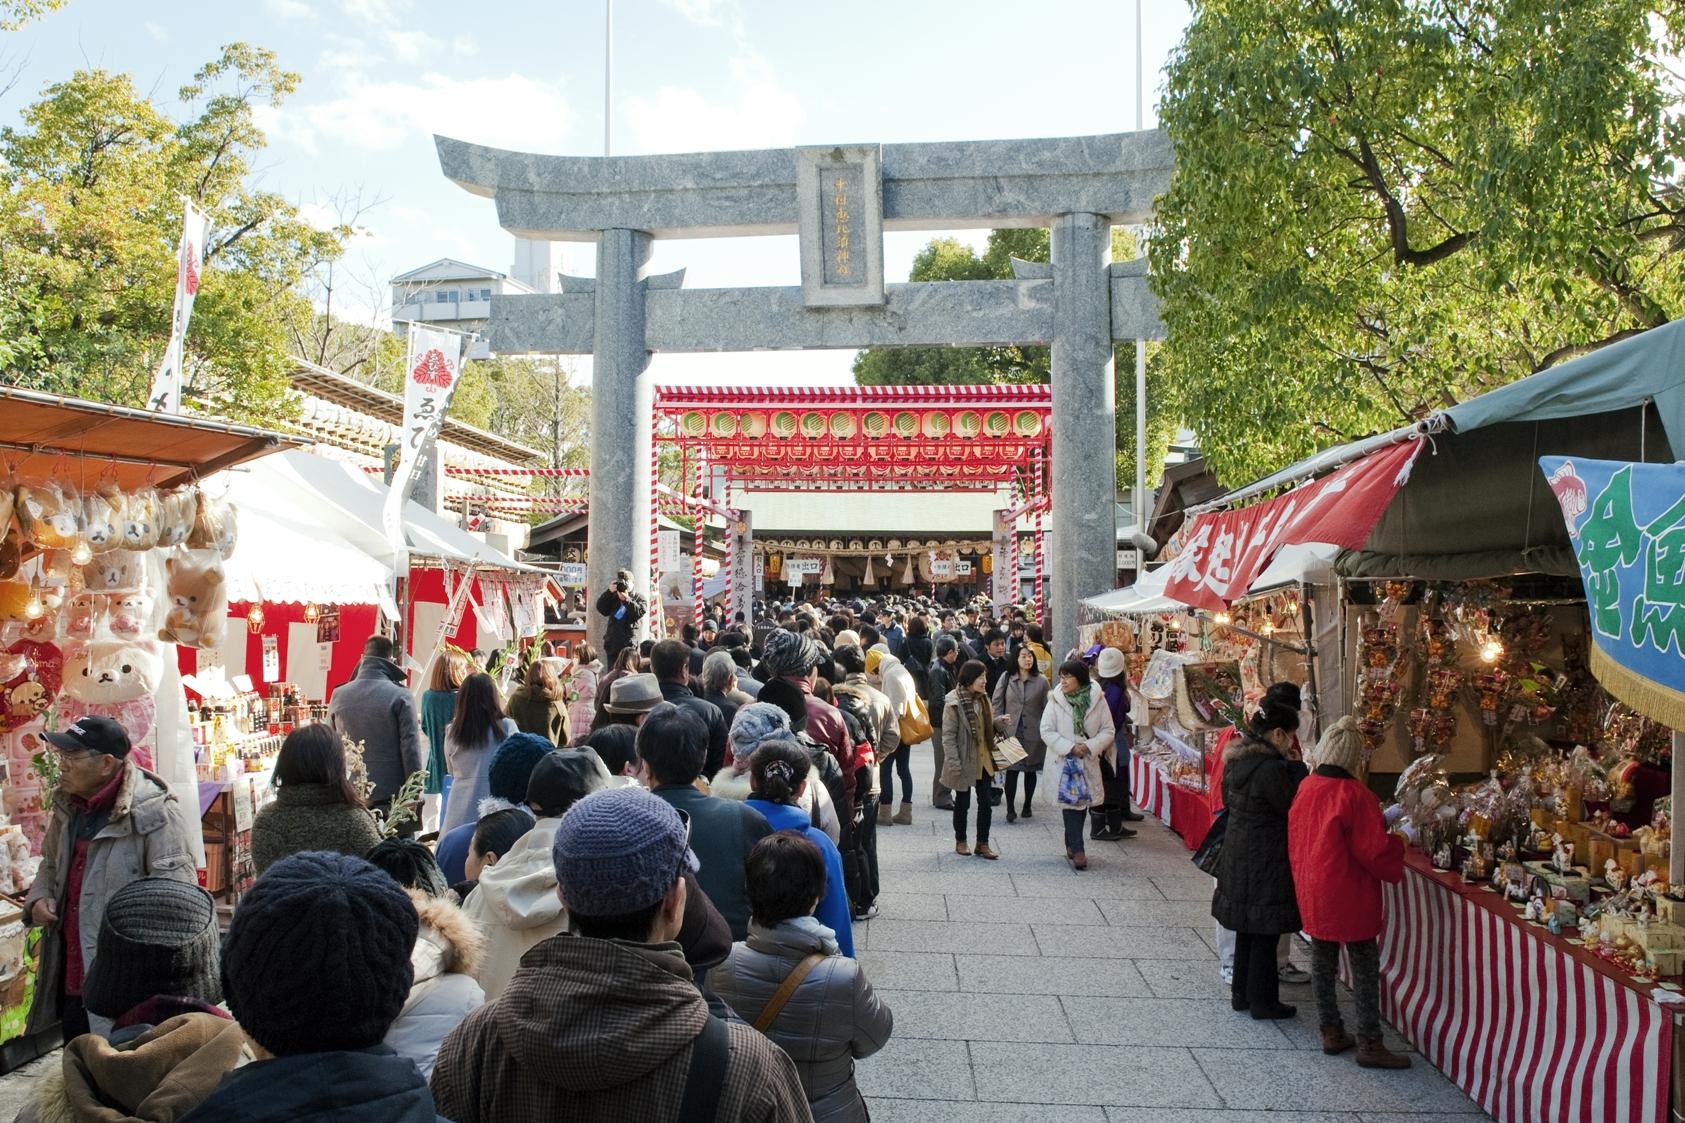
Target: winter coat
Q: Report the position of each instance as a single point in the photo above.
(621, 621)
(1254, 877)
(146, 834)
(816, 799)
(1020, 702)
(160, 1075)
(832, 1019)
(882, 711)
(438, 707)
(584, 706)
(1341, 852)
(1116, 696)
(515, 906)
(310, 817)
(357, 1086)
(1058, 729)
(446, 954)
(681, 696)
(721, 835)
(967, 748)
(832, 910)
(602, 1031)
(825, 725)
(533, 713)
(939, 682)
(899, 686)
(376, 709)
(471, 774)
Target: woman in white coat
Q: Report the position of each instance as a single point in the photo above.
(1077, 725)
(447, 953)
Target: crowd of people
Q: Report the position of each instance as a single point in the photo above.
(640, 896)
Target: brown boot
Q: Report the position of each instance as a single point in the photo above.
(984, 851)
(1335, 1039)
(904, 817)
(961, 848)
(886, 817)
(1079, 859)
(1372, 1053)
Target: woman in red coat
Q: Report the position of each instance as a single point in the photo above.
(1341, 852)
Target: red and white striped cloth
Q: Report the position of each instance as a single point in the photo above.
(1150, 787)
(1535, 1030)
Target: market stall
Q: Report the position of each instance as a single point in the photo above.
(110, 554)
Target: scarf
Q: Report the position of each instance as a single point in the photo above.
(1080, 701)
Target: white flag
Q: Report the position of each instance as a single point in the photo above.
(432, 370)
(190, 259)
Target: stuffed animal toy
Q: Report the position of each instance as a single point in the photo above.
(108, 671)
(213, 528)
(49, 516)
(115, 571)
(15, 597)
(197, 600)
(130, 613)
(84, 612)
(140, 520)
(11, 555)
(103, 515)
(177, 511)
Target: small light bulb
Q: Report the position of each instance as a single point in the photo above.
(254, 618)
(1221, 619)
(82, 554)
(34, 608)
(1266, 628)
(311, 613)
(1491, 651)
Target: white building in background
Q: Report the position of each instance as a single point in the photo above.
(455, 294)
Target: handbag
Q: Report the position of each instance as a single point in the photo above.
(1211, 848)
(914, 723)
(1008, 751)
(1073, 783)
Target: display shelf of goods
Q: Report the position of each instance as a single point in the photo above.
(782, 424)
(996, 423)
(693, 423)
(723, 424)
(842, 425)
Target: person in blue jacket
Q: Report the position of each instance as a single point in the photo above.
(777, 774)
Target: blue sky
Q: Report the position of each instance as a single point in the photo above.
(381, 76)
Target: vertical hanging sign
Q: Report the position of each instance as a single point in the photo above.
(432, 370)
(190, 259)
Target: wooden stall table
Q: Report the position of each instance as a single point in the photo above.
(1531, 1026)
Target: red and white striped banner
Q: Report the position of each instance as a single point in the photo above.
(1149, 787)
(1535, 1030)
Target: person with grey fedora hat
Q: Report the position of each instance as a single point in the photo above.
(633, 697)
(605, 1023)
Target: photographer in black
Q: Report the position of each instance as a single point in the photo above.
(623, 608)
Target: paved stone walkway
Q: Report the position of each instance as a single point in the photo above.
(1025, 992)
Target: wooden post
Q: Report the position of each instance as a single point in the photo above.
(1676, 852)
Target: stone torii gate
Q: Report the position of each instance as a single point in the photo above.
(839, 200)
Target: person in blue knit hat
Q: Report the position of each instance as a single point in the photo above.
(315, 968)
(604, 1023)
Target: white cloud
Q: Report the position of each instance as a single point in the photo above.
(289, 10)
(761, 113)
(157, 32)
(707, 13)
(342, 56)
(511, 111)
(464, 45)
(410, 46)
(381, 13)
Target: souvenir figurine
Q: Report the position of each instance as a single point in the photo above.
(1535, 911)
(1614, 875)
(1561, 855)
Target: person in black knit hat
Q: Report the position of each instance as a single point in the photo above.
(156, 978)
(316, 967)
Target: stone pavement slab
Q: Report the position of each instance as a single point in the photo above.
(1301, 1080)
(1102, 1075)
(1168, 1021)
(962, 1016)
(1014, 974)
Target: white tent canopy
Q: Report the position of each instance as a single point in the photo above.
(286, 555)
(1311, 562)
(343, 500)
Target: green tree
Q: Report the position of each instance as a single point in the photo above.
(948, 259)
(1381, 208)
(15, 13)
(90, 216)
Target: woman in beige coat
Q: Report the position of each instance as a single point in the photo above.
(1077, 724)
(968, 747)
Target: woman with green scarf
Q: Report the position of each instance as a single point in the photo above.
(968, 754)
(1078, 725)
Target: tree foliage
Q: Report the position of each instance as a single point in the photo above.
(1380, 208)
(91, 187)
(15, 13)
(948, 259)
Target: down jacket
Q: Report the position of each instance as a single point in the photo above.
(1255, 890)
(1058, 729)
(160, 1074)
(1341, 854)
(831, 1020)
(446, 955)
(515, 906)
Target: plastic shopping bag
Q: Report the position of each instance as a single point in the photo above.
(1073, 783)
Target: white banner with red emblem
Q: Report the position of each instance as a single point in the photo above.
(190, 259)
(1227, 550)
(433, 369)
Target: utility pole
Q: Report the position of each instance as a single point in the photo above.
(1140, 503)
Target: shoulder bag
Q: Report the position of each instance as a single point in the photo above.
(1211, 848)
(708, 1058)
(914, 723)
(775, 1004)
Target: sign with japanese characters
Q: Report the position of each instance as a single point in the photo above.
(1627, 526)
(840, 203)
(812, 567)
(1225, 551)
(190, 260)
(431, 374)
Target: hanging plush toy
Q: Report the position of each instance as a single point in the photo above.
(102, 519)
(114, 678)
(11, 555)
(213, 528)
(49, 516)
(177, 511)
(140, 520)
(197, 599)
(115, 571)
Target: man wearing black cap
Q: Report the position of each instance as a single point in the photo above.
(623, 608)
(112, 821)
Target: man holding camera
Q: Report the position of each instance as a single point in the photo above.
(623, 609)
